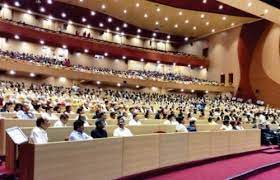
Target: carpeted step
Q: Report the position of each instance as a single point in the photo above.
(271, 151)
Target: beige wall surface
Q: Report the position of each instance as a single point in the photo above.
(223, 55)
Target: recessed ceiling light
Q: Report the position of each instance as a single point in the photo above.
(145, 15)
(16, 4)
(42, 9)
(32, 75)
(174, 64)
(158, 9)
(138, 30)
(189, 65)
(122, 33)
(153, 39)
(63, 15)
(138, 36)
(186, 38)
(16, 36)
(117, 28)
(207, 23)
(156, 23)
(224, 18)
(213, 30)
(249, 4)
(70, 22)
(84, 19)
(192, 90)
(29, 11)
(98, 82)
(86, 50)
(12, 72)
(64, 46)
(166, 18)
(125, 25)
(232, 24)
(187, 21)
(42, 42)
(201, 67)
(142, 60)
(221, 7)
(176, 25)
(125, 11)
(158, 62)
(194, 28)
(137, 86)
(105, 54)
(168, 37)
(154, 34)
(88, 26)
(202, 15)
(50, 1)
(204, 1)
(265, 11)
(81, 0)
(110, 19)
(103, 6)
(137, 4)
(180, 13)
(101, 25)
(108, 30)
(118, 84)
(182, 90)
(92, 13)
(206, 92)
(123, 57)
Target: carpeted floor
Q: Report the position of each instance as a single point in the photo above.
(273, 174)
(222, 169)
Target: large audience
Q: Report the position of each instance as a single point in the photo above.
(137, 74)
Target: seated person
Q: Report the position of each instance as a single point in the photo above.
(192, 126)
(102, 116)
(171, 120)
(63, 119)
(226, 126)
(239, 125)
(135, 120)
(99, 131)
(8, 107)
(211, 121)
(38, 134)
(84, 119)
(49, 113)
(121, 131)
(180, 127)
(24, 113)
(78, 134)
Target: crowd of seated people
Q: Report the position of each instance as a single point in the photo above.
(181, 110)
(137, 74)
(89, 36)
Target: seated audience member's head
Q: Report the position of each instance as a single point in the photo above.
(121, 122)
(18, 107)
(79, 126)
(136, 116)
(226, 122)
(68, 109)
(113, 115)
(210, 120)
(180, 119)
(25, 107)
(80, 110)
(64, 118)
(42, 123)
(99, 124)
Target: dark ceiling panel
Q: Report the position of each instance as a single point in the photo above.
(274, 3)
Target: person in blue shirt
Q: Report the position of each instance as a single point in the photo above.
(78, 134)
(192, 126)
(24, 113)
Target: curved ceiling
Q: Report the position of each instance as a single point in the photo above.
(163, 18)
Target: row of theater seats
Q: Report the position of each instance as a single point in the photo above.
(136, 74)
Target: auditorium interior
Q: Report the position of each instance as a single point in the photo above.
(139, 89)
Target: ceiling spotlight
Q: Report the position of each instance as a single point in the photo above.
(125, 11)
(156, 23)
(168, 37)
(123, 57)
(142, 60)
(86, 50)
(137, 86)
(232, 24)
(194, 28)
(224, 18)
(101, 24)
(103, 6)
(189, 65)
(137, 4)
(174, 64)
(81, 0)
(207, 23)
(42, 42)
(70, 22)
(122, 33)
(138, 30)
(16, 36)
(117, 28)
(32, 75)
(125, 25)
(186, 39)
(92, 13)
(63, 15)
(16, 4)
(154, 34)
(221, 7)
(12, 72)
(182, 90)
(109, 19)
(105, 54)
(64, 46)
(108, 30)
(187, 21)
(118, 84)
(145, 15)
(202, 15)
(265, 11)
(206, 92)
(249, 4)
(166, 18)
(180, 13)
(201, 67)
(84, 19)
(213, 30)
(49, 1)
(176, 25)
(158, 62)
(98, 82)
(204, 1)
(88, 26)
(158, 9)
(192, 91)
(42, 9)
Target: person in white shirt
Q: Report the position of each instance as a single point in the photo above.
(39, 134)
(49, 113)
(180, 127)
(211, 121)
(121, 131)
(226, 126)
(62, 122)
(78, 134)
(135, 120)
(171, 120)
